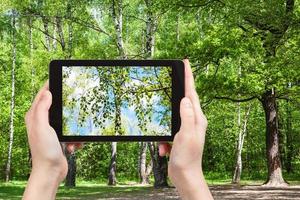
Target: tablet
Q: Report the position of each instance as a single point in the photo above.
(116, 100)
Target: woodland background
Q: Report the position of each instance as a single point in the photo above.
(245, 57)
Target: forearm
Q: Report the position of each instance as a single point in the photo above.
(192, 186)
(42, 184)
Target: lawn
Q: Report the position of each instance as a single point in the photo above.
(86, 190)
(221, 189)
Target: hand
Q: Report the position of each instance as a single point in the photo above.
(49, 165)
(185, 165)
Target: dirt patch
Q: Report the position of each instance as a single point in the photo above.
(226, 192)
(255, 192)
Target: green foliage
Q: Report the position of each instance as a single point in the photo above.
(95, 157)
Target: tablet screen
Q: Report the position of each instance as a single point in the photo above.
(116, 100)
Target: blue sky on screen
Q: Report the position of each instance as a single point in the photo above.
(129, 120)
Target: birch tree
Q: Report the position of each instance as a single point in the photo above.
(12, 101)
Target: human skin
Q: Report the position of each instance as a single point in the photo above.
(49, 165)
(185, 164)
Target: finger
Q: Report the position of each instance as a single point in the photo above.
(164, 149)
(187, 116)
(38, 96)
(71, 147)
(189, 79)
(190, 91)
(41, 112)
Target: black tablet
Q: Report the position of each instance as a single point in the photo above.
(116, 100)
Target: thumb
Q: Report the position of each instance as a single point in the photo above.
(43, 105)
(187, 115)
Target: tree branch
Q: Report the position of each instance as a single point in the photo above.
(161, 85)
(237, 100)
(196, 5)
(44, 32)
(73, 19)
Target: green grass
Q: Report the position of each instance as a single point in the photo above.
(12, 190)
(83, 190)
(93, 190)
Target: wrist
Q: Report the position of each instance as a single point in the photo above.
(187, 178)
(43, 182)
(49, 173)
(190, 184)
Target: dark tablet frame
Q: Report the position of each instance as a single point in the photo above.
(55, 86)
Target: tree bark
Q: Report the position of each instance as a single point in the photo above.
(72, 168)
(12, 101)
(160, 167)
(70, 30)
(30, 22)
(242, 132)
(54, 36)
(60, 32)
(117, 15)
(112, 179)
(150, 30)
(275, 177)
(144, 169)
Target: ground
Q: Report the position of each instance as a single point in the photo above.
(88, 191)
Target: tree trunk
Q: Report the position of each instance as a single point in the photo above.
(71, 176)
(144, 169)
(272, 140)
(117, 15)
(160, 167)
(54, 36)
(150, 30)
(12, 103)
(242, 132)
(30, 22)
(112, 179)
(60, 32)
(70, 30)
(238, 165)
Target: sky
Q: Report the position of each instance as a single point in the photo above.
(78, 80)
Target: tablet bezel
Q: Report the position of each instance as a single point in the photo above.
(55, 86)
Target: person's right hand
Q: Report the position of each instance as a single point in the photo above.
(185, 165)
